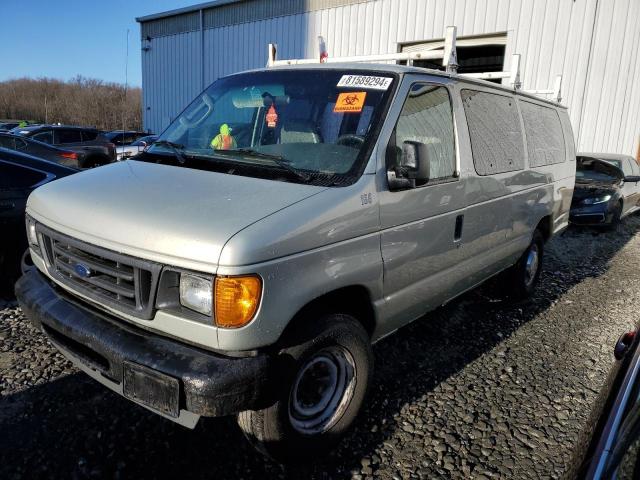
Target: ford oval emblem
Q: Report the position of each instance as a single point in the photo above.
(82, 270)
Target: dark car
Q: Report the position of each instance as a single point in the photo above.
(604, 192)
(613, 451)
(20, 174)
(6, 126)
(42, 150)
(124, 137)
(97, 148)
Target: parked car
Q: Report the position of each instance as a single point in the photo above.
(127, 151)
(20, 174)
(607, 189)
(42, 150)
(6, 126)
(285, 221)
(613, 450)
(97, 149)
(124, 137)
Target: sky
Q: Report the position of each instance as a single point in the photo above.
(65, 38)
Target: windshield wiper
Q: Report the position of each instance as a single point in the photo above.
(276, 159)
(175, 148)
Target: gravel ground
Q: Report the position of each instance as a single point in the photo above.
(482, 388)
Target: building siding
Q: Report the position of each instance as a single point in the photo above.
(593, 44)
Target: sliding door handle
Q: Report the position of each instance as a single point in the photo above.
(457, 234)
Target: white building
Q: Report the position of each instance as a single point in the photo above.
(593, 44)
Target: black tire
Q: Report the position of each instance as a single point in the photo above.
(522, 280)
(616, 218)
(281, 431)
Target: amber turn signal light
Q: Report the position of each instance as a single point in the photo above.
(236, 300)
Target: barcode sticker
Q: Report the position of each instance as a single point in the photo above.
(365, 81)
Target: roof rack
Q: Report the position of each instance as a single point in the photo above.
(447, 53)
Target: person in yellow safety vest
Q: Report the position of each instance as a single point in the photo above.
(224, 140)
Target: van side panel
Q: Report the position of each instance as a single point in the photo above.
(502, 208)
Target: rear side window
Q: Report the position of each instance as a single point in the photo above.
(7, 142)
(21, 144)
(68, 136)
(494, 128)
(427, 118)
(543, 131)
(89, 135)
(46, 137)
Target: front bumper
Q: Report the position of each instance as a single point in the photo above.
(598, 214)
(210, 384)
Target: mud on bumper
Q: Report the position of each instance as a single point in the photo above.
(210, 384)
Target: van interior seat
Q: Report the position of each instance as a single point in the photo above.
(298, 132)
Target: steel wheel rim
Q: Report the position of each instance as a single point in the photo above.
(322, 391)
(531, 265)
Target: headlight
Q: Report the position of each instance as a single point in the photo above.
(196, 293)
(237, 300)
(595, 200)
(32, 236)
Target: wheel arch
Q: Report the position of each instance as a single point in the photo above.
(545, 226)
(354, 300)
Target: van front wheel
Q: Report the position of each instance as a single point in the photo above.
(326, 372)
(525, 274)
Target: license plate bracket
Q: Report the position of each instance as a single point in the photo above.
(151, 388)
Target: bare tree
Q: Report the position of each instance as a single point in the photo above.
(79, 101)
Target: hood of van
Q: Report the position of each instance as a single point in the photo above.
(176, 216)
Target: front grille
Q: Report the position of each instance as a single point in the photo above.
(118, 281)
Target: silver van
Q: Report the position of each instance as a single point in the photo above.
(286, 220)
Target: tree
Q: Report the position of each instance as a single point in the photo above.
(79, 101)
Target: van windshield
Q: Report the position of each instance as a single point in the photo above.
(310, 126)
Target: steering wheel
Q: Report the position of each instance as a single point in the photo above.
(350, 140)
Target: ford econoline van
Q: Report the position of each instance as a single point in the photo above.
(286, 220)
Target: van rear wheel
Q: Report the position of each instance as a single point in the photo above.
(524, 275)
(328, 366)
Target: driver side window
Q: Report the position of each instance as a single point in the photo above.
(427, 118)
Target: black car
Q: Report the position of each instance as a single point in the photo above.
(604, 192)
(614, 449)
(20, 174)
(6, 126)
(42, 150)
(98, 150)
(124, 137)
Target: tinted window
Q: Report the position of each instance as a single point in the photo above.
(88, 135)
(46, 137)
(7, 142)
(494, 128)
(21, 144)
(13, 176)
(543, 131)
(68, 136)
(426, 117)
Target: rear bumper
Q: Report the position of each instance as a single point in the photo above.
(210, 384)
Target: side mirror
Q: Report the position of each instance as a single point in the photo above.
(413, 167)
(143, 144)
(415, 160)
(632, 179)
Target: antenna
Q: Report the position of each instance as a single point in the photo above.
(126, 83)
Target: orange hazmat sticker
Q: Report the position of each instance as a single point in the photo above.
(350, 102)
